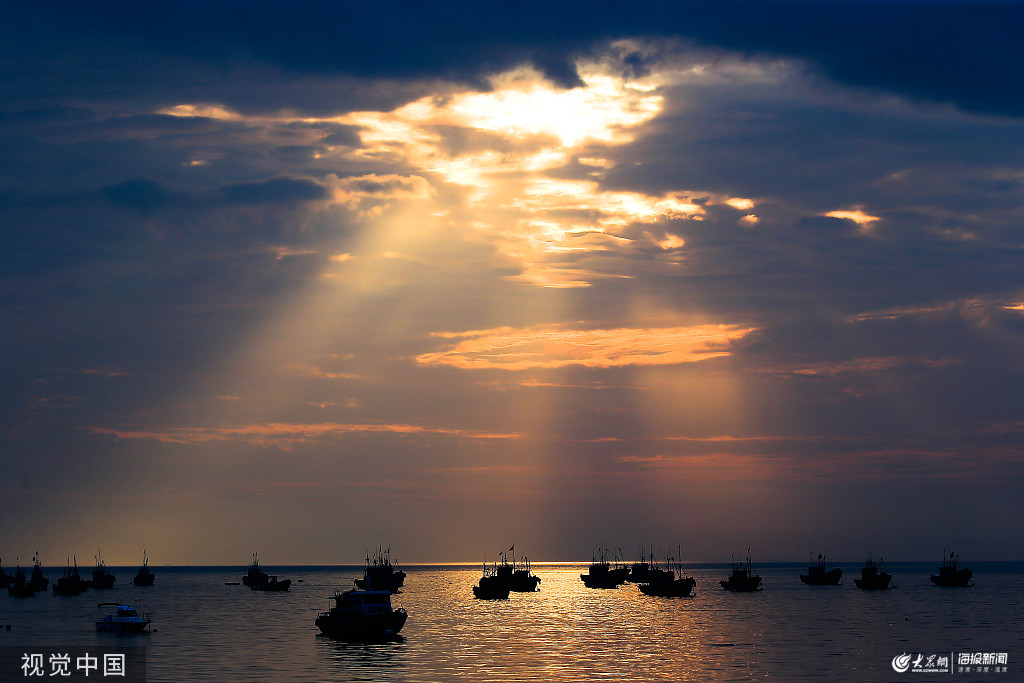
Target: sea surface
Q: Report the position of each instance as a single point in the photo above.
(205, 630)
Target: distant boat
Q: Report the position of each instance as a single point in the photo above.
(362, 616)
(819, 575)
(601, 573)
(668, 582)
(517, 577)
(20, 586)
(258, 580)
(71, 583)
(491, 586)
(101, 579)
(37, 581)
(872, 577)
(949, 575)
(5, 579)
(120, 619)
(144, 577)
(381, 575)
(743, 579)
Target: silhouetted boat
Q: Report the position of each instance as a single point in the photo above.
(5, 579)
(20, 586)
(144, 577)
(743, 579)
(71, 583)
(819, 575)
(872, 578)
(362, 616)
(258, 580)
(668, 582)
(491, 586)
(518, 578)
(949, 575)
(381, 575)
(37, 581)
(120, 619)
(101, 579)
(644, 571)
(601, 574)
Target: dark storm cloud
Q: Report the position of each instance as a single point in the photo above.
(965, 53)
(275, 190)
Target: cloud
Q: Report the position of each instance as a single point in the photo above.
(521, 349)
(283, 435)
(274, 191)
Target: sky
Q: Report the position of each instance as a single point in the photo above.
(309, 279)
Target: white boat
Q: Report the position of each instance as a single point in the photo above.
(112, 617)
(362, 616)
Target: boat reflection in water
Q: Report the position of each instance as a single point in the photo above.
(362, 616)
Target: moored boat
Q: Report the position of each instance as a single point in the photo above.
(873, 577)
(491, 586)
(668, 582)
(949, 575)
(381, 575)
(258, 580)
(818, 574)
(518, 577)
(37, 581)
(743, 578)
(144, 577)
(5, 579)
(20, 586)
(101, 578)
(113, 617)
(71, 583)
(601, 573)
(362, 616)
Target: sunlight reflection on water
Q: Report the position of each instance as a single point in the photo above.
(206, 630)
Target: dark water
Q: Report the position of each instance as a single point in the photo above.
(208, 631)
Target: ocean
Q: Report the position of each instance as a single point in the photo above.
(205, 630)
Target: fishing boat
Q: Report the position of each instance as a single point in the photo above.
(381, 575)
(668, 582)
(949, 575)
(5, 579)
(601, 573)
(20, 586)
(259, 580)
(491, 586)
(101, 578)
(37, 581)
(71, 583)
(819, 575)
(743, 579)
(872, 577)
(144, 577)
(518, 577)
(362, 616)
(644, 571)
(113, 617)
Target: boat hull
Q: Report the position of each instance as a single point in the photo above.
(362, 627)
(675, 588)
(957, 579)
(122, 626)
(822, 578)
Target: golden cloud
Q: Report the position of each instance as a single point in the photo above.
(520, 349)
